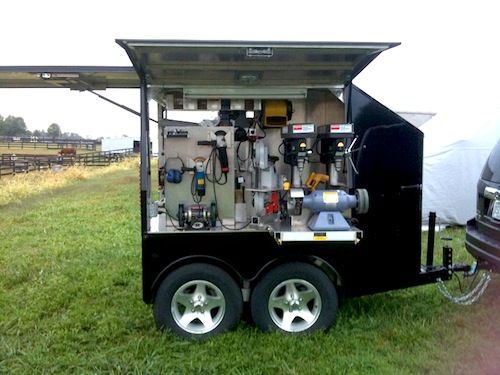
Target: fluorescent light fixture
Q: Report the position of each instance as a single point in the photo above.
(245, 93)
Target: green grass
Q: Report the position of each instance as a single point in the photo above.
(70, 302)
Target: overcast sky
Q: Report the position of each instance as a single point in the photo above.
(449, 56)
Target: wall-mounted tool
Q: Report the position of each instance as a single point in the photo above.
(277, 112)
(334, 140)
(197, 216)
(198, 183)
(315, 179)
(199, 177)
(221, 146)
(296, 151)
(174, 175)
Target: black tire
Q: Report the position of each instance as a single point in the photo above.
(209, 292)
(312, 307)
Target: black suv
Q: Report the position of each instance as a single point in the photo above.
(482, 238)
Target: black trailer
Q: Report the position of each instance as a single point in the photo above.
(301, 191)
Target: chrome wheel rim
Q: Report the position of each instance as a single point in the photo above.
(294, 305)
(198, 306)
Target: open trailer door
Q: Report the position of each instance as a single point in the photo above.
(388, 162)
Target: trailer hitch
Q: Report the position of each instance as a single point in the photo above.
(471, 293)
(448, 261)
(475, 287)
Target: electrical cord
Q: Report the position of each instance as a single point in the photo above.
(238, 153)
(196, 198)
(315, 146)
(218, 217)
(170, 217)
(173, 158)
(220, 180)
(282, 144)
(261, 128)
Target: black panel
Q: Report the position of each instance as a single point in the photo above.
(389, 162)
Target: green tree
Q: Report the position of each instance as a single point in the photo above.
(13, 126)
(54, 131)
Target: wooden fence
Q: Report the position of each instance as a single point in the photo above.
(47, 143)
(102, 158)
(12, 164)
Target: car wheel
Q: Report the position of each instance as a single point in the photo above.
(198, 301)
(294, 297)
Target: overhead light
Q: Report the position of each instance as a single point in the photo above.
(245, 93)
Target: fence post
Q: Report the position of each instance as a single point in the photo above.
(13, 158)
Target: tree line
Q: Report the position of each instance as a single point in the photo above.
(16, 127)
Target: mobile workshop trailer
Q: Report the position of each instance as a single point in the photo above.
(303, 189)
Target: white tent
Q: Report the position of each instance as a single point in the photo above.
(456, 146)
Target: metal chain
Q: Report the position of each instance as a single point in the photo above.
(467, 298)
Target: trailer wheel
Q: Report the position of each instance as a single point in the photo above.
(294, 297)
(198, 301)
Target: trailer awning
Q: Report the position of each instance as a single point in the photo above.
(247, 66)
(72, 77)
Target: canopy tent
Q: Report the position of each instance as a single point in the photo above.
(456, 146)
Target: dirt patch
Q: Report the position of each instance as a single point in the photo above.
(479, 350)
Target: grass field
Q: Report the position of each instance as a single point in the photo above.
(70, 302)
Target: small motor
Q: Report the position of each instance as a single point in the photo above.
(197, 216)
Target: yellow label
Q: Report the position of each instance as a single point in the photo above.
(330, 197)
(319, 237)
(201, 181)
